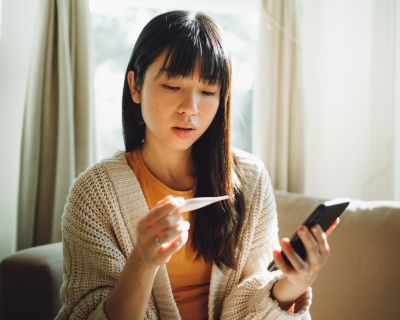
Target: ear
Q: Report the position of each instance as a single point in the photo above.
(135, 91)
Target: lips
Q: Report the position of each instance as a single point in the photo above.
(186, 125)
(184, 130)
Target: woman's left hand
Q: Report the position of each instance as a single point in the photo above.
(302, 273)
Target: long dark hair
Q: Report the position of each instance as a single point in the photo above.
(193, 40)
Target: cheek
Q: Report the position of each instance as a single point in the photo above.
(211, 110)
(150, 106)
(150, 112)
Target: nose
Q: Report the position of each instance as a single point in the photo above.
(190, 104)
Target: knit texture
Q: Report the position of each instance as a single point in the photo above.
(99, 231)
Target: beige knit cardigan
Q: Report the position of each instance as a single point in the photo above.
(99, 231)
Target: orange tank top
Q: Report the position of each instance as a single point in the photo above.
(190, 279)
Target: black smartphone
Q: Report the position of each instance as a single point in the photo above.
(324, 215)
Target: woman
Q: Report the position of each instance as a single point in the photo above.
(130, 255)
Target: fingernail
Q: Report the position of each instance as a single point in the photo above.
(314, 229)
(285, 242)
(303, 230)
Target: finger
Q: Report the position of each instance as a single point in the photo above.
(333, 226)
(163, 201)
(166, 252)
(321, 237)
(280, 263)
(167, 222)
(297, 262)
(161, 255)
(167, 206)
(310, 243)
(145, 228)
(148, 234)
(171, 234)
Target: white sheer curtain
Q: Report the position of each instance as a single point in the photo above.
(58, 133)
(277, 125)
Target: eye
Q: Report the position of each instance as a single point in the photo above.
(169, 88)
(208, 93)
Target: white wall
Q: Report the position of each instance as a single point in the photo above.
(18, 17)
(397, 107)
(348, 57)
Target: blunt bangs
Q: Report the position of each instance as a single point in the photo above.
(195, 45)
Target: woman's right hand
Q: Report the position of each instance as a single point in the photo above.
(163, 225)
(130, 297)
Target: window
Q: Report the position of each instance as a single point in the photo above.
(116, 27)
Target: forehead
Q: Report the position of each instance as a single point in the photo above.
(160, 69)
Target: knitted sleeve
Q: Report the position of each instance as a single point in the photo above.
(93, 257)
(249, 288)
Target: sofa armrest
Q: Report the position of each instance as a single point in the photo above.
(30, 282)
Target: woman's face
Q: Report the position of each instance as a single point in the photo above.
(176, 111)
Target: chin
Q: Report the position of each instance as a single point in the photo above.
(183, 146)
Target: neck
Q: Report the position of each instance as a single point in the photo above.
(173, 168)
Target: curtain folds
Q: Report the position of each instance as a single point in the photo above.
(277, 120)
(58, 134)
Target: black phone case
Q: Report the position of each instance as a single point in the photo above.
(324, 215)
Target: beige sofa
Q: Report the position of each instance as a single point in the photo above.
(361, 279)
